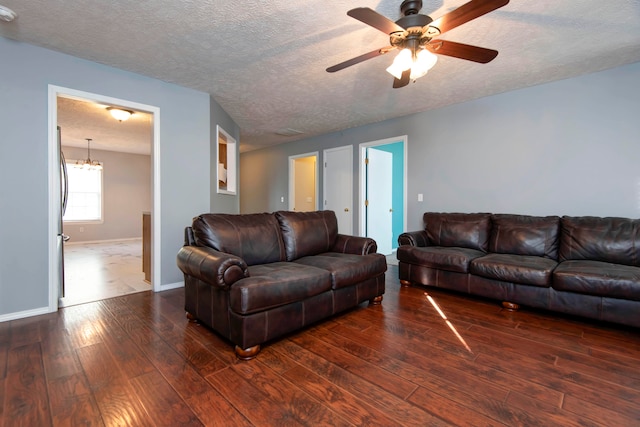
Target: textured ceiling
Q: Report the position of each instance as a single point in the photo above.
(264, 62)
(79, 120)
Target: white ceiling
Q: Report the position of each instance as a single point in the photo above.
(79, 120)
(264, 62)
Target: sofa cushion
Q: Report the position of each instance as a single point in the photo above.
(347, 269)
(598, 278)
(307, 233)
(458, 229)
(615, 240)
(522, 269)
(445, 258)
(276, 284)
(525, 235)
(253, 237)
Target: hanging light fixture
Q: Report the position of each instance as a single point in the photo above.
(88, 163)
(120, 114)
(424, 61)
(419, 62)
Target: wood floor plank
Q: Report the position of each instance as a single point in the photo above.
(26, 401)
(442, 364)
(72, 402)
(442, 376)
(352, 408)
(592, 389)
(211, 408)
(116, 399)
(256, 405)
(450, 410)
(622, 414)
(399, 409)
(164, 406)
(302, 405)
(356, 365)
(214, 410)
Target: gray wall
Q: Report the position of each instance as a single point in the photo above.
(185, 134)
(126, 187)
(569, 147)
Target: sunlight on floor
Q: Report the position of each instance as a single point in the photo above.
(96, 271)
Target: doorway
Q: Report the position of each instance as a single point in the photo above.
(303, 182)
(109, 244)
(383, 191)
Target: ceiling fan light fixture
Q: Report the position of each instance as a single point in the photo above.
(120, 114)
(425, 61)
(402, 62)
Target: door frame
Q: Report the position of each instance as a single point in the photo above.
(54, 204)
(292, 177)
(363, 179)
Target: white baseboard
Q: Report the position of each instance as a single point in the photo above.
(170, 286)
(23, 314)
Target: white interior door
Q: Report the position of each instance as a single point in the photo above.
(379, 196)
(338, 186)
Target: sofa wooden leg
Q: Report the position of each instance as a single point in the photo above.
(376, 300)
(511, 306)
(191, 318)
(247, 353)
(405, 283)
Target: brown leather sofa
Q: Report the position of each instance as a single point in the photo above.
(255, 277)
(585, 266)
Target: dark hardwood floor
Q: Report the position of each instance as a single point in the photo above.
(135, 360)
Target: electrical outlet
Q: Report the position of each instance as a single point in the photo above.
(281, 199)
(82, 229)
(419, 197)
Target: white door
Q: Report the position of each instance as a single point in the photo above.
(379, 199)
(338, 186)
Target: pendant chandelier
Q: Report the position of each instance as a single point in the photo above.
(88, 163)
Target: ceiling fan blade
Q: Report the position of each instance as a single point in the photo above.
(374, 19)
(404, 80)
(462, 51)
(358, 59)
(465, 13)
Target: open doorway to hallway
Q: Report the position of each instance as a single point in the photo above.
(303, 182)
(383, 191)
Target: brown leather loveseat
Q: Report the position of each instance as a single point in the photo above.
(585, 266)
(256, 277)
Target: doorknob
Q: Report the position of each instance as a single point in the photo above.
(346, 209)
(390, 210)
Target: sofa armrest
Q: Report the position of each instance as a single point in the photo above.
(354, 245)
(414, 238)
(213, 267)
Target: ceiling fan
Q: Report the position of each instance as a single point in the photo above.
(415, 36)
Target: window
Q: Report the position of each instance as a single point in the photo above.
(85, 194)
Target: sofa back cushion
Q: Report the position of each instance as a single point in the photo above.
(525, 235)
(255, 238)
(465, 230)
(307, 233)
(615, 240)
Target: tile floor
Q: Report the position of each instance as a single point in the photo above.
(96, 271)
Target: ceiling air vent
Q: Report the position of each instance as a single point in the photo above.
(289, 132)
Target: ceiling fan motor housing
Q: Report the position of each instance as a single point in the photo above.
(410, 7)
